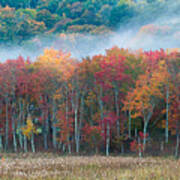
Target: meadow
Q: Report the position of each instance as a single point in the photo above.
(53, 167)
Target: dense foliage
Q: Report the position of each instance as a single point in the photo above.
(23, 19)
(119, 102)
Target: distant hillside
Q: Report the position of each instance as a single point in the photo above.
(23, 19)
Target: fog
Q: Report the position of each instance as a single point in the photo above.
(152, 29)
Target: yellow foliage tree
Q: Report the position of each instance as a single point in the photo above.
(29, 129)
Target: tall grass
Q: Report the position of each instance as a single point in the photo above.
(49, 167)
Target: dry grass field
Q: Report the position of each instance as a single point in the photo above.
(54, 167)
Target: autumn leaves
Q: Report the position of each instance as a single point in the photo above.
(89, 103)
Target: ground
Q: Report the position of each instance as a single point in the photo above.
(54, 167)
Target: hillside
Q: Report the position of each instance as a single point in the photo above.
(23, 19)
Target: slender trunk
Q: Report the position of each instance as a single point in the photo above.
(91, 113)
(75, 104)
(162, 146)
(139, 147)
(122, 148)
(1, 144)
(45, 117)
(167, 112)
(144, 132)
(7, 126)
(59, 145)
(32, 143)
(80, 119)
(146, 122)
(25, 144)
(46, 128)
(67, 119)
(14, 136)
(45, 140)
(23, 118)
(117, 112)
(135, 133)
(69, 148)
(96, 150)
(54, 134)
(107, 139)
(76, 129)
(177, 146)
(20, 138)
(54, 129)
(101, 109)
(177, 138)
(64, 148)
(129, 128)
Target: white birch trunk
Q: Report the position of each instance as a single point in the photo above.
(129, 127)
(32, 143)
(167, 113)
(107, 139)
(25, 144)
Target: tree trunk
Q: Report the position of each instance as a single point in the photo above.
(167, 112)
(54, 133)
(67, 119)
(122, 148)
(75, 105)
(76, 130)
(54, 129)
(135, 133)
(129, 127)
(144, 132)
(117, 112)
(32, 143)
(25, 144)
(91, 113)
(7, 126)
(46, 128)
(45, 140)
(63, 148)
(81, 118)
(101, 109)
(1, 144)
(107, 139)
(146, 122)
(139, 149)
(20, 137)
(69, 148)
(162, 146)
(177, 146)
(14, 136)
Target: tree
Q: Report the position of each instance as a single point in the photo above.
(92, 135)
(142, 100)
(29, 130)
(121, 13)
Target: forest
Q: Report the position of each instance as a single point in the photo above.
(121, 102)
(89, 89)
(36, 17)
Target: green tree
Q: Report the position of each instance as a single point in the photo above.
(121, 14)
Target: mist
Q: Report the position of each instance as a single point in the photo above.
(151, 29)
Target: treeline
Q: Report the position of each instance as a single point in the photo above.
(23, 19)
(118, 102)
